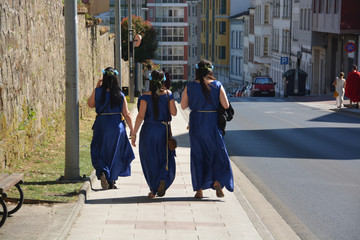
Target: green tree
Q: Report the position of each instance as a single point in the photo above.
(148, 45)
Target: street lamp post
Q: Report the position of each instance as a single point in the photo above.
(118, 40)
(72, 169)
(131, 55)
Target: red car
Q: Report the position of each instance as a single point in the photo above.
(263, 86)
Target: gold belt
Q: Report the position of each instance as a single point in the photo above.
(122, 117)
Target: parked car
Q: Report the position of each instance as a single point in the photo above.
(262, 86)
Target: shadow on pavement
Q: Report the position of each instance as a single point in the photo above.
(144, 199)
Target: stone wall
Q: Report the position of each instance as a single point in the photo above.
(32, 71)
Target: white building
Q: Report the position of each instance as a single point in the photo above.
(194, 43)
(281, 42)
(237, 48)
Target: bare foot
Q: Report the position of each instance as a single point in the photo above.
(218, 189)
(161, 190)
(151, 195)
(199, 194)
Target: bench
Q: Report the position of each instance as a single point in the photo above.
(7, 182)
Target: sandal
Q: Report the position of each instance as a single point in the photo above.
(104, 183)
(218, 189)
(112, 186)
(151, 195)
(161, 189)
(199, 194)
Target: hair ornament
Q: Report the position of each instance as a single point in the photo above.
(151, 78)
(111, 72)
(205, 67)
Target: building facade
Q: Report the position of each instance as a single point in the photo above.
(335, 41)
(237, 49)
(194, 9)
(170, 19)
(215, 32)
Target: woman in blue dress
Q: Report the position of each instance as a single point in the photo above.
(157, 160)
(210, 163)
(111, 152)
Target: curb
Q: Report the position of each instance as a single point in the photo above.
(85, 188)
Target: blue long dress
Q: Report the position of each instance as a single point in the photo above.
(111, 151)
(209, 158)
(152, 145)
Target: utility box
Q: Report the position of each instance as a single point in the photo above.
(295, 86)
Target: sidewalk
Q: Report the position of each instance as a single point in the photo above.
(127, 213)
(325, 102)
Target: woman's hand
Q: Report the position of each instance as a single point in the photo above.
(99, 83)
(133, 139)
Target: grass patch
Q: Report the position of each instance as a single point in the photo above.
(46, 164)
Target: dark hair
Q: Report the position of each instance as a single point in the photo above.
(156, 87)
(110, 82)
(203, 69)
(354, 67)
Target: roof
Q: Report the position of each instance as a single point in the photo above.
(240, 14)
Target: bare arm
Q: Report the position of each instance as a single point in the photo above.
(223, 98)
(91, 100)
(172, 106)
(139, 119)
(184, 99)
(127, 116)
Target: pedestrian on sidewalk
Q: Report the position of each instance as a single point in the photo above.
(210, 163)
(111, 152)
(352, 88)
(157, 160)
(339, 84)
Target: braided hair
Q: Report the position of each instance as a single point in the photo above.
(156, 87)
(204, 68)
(110, 82)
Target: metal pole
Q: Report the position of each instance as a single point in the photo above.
(118, 40)
(131, 56)
(72, 170)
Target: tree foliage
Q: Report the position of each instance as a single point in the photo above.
(148, 45)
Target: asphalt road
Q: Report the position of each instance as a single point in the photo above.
(304, 160)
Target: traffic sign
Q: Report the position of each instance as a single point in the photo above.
(350, 47)
(284, 60)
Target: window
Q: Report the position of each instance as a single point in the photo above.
(286, 9)
(233, 41)
(222, 28)
(295, 30)
(257, 46)
(222, 7)
(276, 8)
(266, 47)
(222, 52)
(267, 14)
(258, 15)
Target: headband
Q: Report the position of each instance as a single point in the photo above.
(205, 67)
(110, 72)
(150, 77)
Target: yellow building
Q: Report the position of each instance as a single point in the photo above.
(215, 34)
